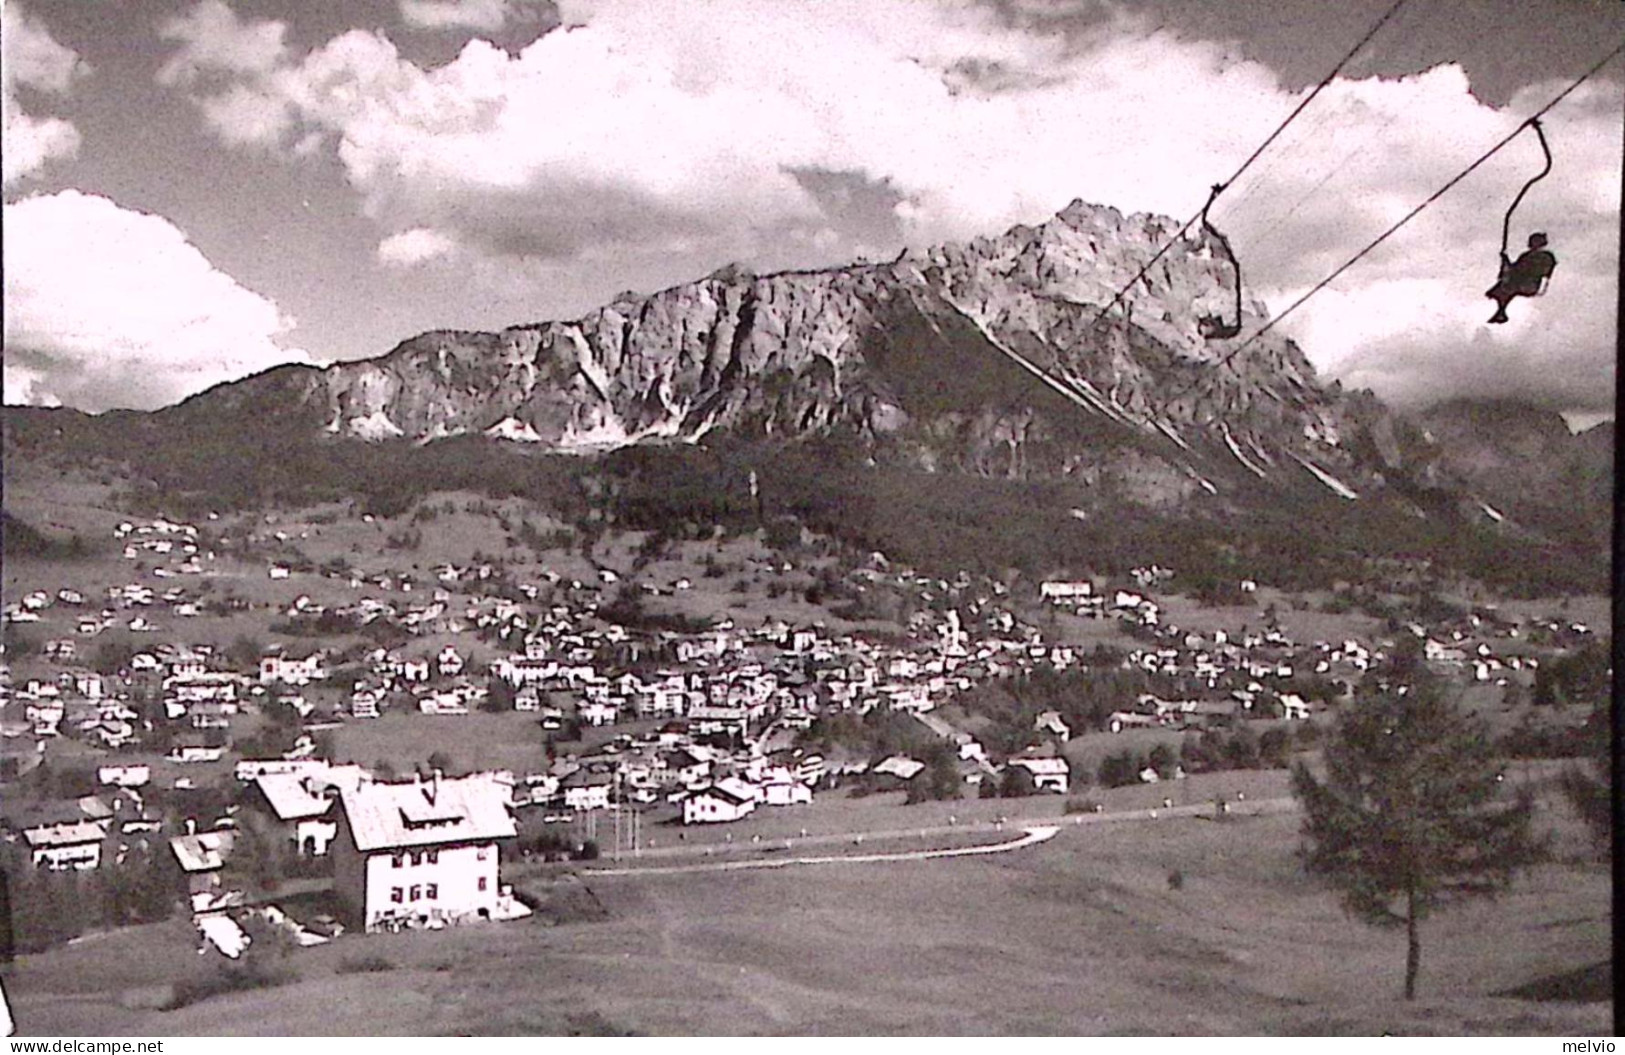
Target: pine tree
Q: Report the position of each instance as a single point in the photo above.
(1590, 788)
(1410, 816)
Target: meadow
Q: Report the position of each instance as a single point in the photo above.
(1081, 935)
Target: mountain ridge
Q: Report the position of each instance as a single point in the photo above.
(987, 360)
(818, 351)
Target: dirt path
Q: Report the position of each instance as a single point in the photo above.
(1247, 807)
(1036, 834)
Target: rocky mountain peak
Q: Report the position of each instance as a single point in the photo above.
(990, 356)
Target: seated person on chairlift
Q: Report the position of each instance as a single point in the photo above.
(1525, 277)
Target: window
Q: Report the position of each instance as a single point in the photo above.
(432, 891)
(481, 854)
(482, 883)
(395, 895)
(433, 856)
(417, 857)
(417, 892)
(396, 860)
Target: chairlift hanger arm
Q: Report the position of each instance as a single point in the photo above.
(1217, 328)
(1506, 224)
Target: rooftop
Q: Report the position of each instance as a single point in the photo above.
(427, 813)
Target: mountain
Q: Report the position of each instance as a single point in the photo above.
(959, 401)
(985, 357)
(1526, 464)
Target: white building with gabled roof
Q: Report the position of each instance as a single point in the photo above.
(68, 845)
(720, 802)
(423, 852)
(303, 804)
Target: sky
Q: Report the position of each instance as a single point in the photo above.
(196, 190)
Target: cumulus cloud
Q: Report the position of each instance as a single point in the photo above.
(1409, 321)
(729, 129)
(454, 14)
(33, 60)
(409, 248)
(214, 39)
(106, 307)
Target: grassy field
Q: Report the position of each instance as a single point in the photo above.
(1301, 620)
(1081, 935)
(478, 740)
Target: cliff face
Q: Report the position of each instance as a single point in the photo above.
(984, 357)
(1525, 464)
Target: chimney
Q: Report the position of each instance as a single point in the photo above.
(191, 826)
(434, 786)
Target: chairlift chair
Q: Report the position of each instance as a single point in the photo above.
(1214, 327)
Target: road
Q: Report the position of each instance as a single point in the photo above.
(1255, 807)
(1034, 835)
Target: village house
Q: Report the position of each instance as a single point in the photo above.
(598, 712)
(283, 669)
(300, 806)
(898, 768)
(1049, 774)
(1051, 722)
(724, 801)
(449, 662)
(364, 703)
(1059, 590)
(587, 789)
(202, 856)
(684, 767)
(423, 852)
(781, 787)
(67, 845)
(130, 776)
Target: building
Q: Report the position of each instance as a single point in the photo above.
(587, 789)
(301, 805)
(292, 671)
(1051, 722)
(1061, 590)
(781, 788)
(73, 844)
(202, 856)
(423, 852)
(1049, 774)
(726, 800)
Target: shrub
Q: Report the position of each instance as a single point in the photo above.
(1120, 769)
(588, 851)
(1275, 748)
(1176, 880)
(1081, 806)
(252, 973)
(1164, 761)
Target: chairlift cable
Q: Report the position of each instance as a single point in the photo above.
(1532, 120)
(1282, 127)
(1399, 56)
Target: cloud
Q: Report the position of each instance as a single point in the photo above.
(106, 307)
(796, 132)
(483, 16)
(34, 60)
(1409, 321)
(417, 246)
(214, 39)
(453, 14)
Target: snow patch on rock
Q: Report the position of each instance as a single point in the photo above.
(375, 426)
(511, 428)
(1332, 483)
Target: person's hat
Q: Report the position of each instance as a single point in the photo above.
(1537, 240)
